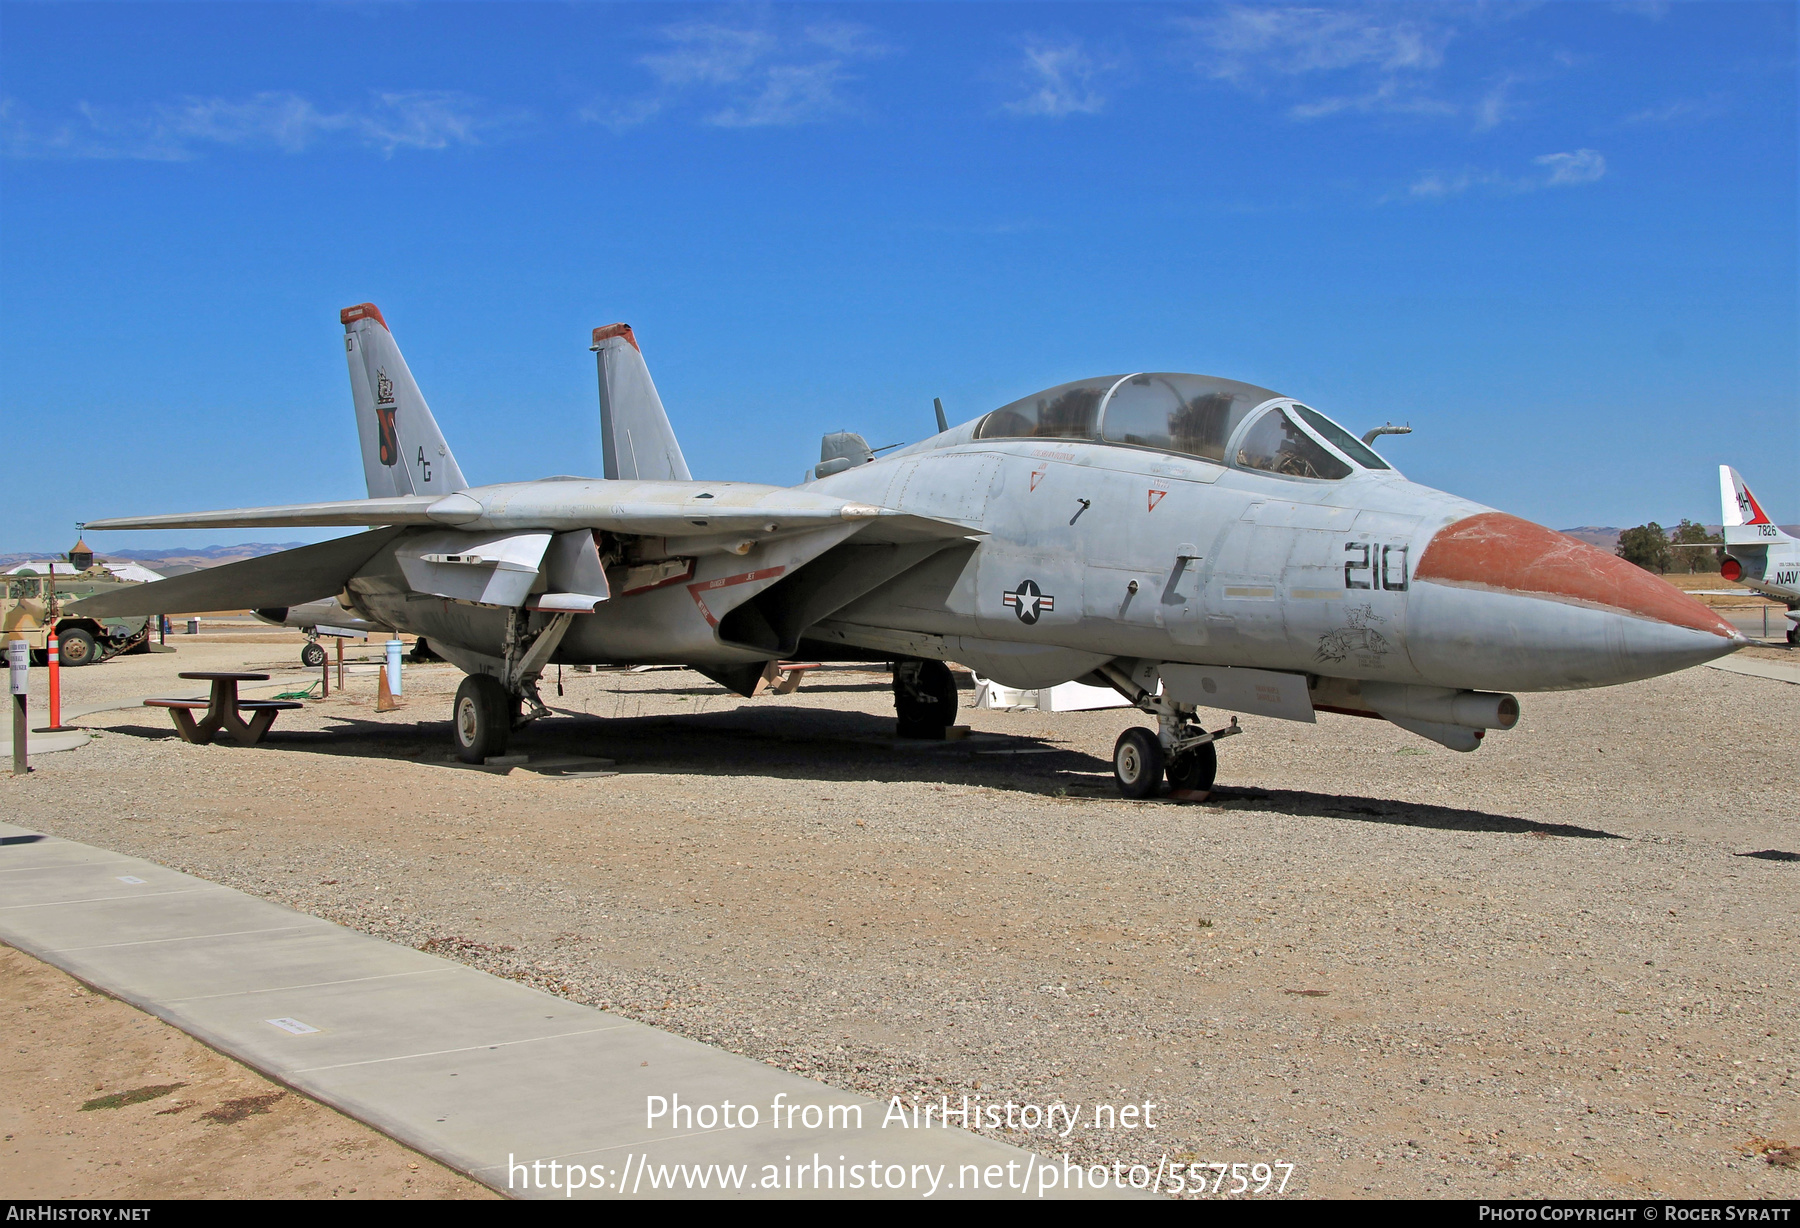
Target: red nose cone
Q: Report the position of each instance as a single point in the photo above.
(1506, 554)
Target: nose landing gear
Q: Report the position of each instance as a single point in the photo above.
(1138, 763)
(1183, 752)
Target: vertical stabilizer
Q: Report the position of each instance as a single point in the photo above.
(1746, 524)
(635, 433)
(1738, 505)
(403, 451)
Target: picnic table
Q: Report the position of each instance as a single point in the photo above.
(783, 677)
(223, 710)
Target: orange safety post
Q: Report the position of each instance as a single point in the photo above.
(53, 658)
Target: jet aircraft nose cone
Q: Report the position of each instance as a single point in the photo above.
(1568, 614)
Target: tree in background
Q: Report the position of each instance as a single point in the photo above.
(1692, 536)
(1647, 546)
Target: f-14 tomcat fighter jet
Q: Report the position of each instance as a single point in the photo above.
(1191, 542)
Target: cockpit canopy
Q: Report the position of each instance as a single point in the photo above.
(1190, 415)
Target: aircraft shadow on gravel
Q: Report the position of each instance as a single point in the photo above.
(786, 743)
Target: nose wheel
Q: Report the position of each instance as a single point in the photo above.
(1138, 763)
(1194, 769)
(1190, 759)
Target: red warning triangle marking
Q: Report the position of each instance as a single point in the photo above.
(1761, 517)
(1156, 496)
(1037, 475)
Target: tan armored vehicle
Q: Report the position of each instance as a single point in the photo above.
(31, 603)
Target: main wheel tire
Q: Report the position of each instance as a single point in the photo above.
(1138, 763)
(1194, 769)
(313, 655)
(481, 719)
(75, 648)
(924, 698)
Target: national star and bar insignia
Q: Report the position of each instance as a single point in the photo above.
(1028, 601)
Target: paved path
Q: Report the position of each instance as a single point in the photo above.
(41, 743)
(1780, 671)
(479, 1072)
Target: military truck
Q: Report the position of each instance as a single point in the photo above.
(31, 603)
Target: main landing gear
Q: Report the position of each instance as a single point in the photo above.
(482, 719)
(924, 698)
(488, 708)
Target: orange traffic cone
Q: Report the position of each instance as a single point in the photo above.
(384, 698)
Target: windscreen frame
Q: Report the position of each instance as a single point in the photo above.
(1285, 407)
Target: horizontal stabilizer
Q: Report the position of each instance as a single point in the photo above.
(291, 578)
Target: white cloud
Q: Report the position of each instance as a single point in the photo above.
(1561, 170)
(1390, 97)
(1365, 59)
(1246, 41)
(1491, 111)
(1436, 185)
(1566, 169)
(1059, 80)
(749, 76)
(1681, 110)
(280, 120)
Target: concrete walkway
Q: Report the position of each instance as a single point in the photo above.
(42, 743)
(1755, 667)
(484, 1074)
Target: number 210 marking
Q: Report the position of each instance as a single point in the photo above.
(1366, 562)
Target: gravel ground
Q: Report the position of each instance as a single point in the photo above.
(1555, 967)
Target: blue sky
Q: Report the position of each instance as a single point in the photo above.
(1559, 239)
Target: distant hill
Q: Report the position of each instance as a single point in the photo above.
(173, 556)
(1606, 537)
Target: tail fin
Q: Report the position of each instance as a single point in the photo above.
(403, 451)
(634, 431)
(1739, 505)
(1743, 517)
